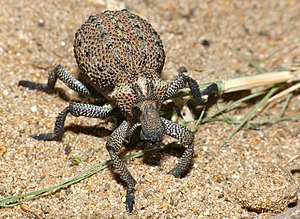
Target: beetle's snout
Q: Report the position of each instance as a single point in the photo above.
(151, 123)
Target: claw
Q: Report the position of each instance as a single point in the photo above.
(129, 202)
(175, 173)
(45, 137)
(35, 86)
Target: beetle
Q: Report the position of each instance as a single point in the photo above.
(121, 56)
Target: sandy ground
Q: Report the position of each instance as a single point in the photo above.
(256, 176)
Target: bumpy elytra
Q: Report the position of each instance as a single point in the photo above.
(122, 57)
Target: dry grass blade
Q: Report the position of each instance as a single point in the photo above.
(284, 92)
(270, 78)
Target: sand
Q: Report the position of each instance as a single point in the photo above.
(255, 176)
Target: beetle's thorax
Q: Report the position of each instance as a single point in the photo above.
(139, 99)
(145, 85)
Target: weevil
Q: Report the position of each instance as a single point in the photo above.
(121, 56)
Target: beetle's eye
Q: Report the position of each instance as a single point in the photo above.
(136, 112)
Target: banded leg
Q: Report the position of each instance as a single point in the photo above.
(198, 96)
(61, 73)
(130, 132)
(185, 138)
(113, 146)
(76, 109)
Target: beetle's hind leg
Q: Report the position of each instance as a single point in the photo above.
(76, 109)
(61, 73)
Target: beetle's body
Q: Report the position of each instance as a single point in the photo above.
(122, 57)
(116, 50)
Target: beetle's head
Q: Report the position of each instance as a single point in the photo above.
(146, 112)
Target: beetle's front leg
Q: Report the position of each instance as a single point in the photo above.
(198, 96)
(185, 138)
(76, 109)
(113, 146)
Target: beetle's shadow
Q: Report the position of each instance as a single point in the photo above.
(95, 130)
(97, 98)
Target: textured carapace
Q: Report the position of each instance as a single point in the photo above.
(117, 48)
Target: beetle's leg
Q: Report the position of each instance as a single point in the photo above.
(198, 96)
(76, 109)
(185, 138)
(61, 73)
(130, 132)
(113, 146)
